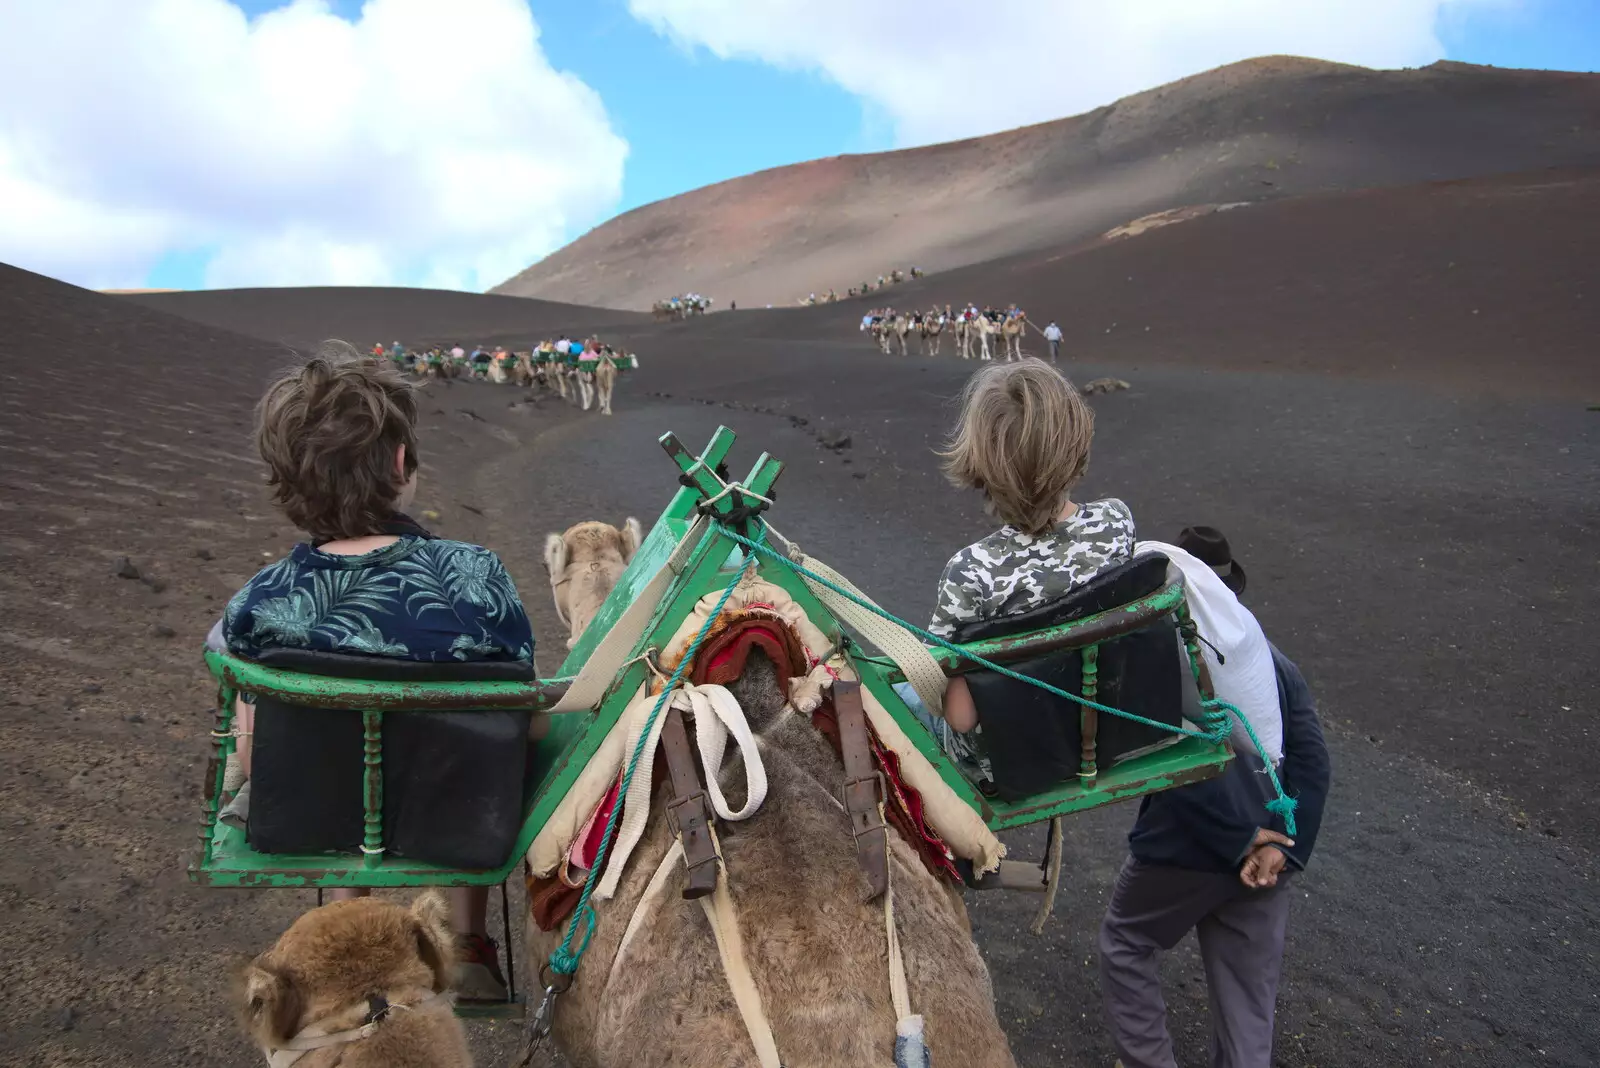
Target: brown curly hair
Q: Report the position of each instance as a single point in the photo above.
(328, 432)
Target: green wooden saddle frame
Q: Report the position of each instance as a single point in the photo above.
(224, 857)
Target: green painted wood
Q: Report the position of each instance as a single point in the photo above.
(324, 691)
(1089, 719)
(1186, 761)
(372, 787)
(1063, 636)
(225, 859)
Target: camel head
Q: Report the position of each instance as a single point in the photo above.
(584, 564)
(333, 959)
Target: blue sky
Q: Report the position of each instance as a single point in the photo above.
(753, 116)
(674, 94)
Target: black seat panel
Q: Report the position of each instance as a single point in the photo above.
(1034, 739)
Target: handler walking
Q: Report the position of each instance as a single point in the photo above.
(1052, 334)
(1210, 858)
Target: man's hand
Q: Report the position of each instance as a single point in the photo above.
(1265, 861)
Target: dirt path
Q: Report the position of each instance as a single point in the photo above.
(1425, 558)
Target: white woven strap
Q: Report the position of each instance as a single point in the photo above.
(910, 1049)
(897, 643)
(724, 922)
(647, 903)
(605, 663)
(716, 716)
(636, 804)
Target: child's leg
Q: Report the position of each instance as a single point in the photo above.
(469, 909)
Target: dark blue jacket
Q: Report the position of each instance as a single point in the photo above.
(1209, 826)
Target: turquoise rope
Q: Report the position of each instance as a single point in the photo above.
(1214, 711)
(564, 960)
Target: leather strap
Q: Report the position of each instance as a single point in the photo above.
(863, 788)
(687, 810)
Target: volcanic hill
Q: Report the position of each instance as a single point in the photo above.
(1258, 130)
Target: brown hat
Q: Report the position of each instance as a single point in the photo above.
(1208, 545)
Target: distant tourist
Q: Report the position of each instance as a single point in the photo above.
(1052, 334)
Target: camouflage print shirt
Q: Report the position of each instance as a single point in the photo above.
(1010, 572)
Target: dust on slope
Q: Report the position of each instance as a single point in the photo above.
(125, 433)
(365, 315)
(1262, 129)
(1483, 284)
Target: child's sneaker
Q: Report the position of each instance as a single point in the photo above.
(478, 975)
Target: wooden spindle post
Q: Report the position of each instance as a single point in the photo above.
(372, 737)
(1089, 719)
(216, 768)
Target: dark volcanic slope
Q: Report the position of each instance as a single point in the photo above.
(1488, 282)
(125, 432)
(1266, 128)
(301, 317)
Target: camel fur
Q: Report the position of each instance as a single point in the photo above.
(818, 953)
(333, 959)
(584, 563)
(605, 381)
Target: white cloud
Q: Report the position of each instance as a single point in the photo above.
(421, 142)
(945, 69)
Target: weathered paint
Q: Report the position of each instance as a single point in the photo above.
(226, 859)
(324, 691)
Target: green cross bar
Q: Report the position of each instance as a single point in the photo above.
(702, 471)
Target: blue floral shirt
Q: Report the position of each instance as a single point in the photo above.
(421, 598)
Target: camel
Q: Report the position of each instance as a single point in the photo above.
(880, 332)
(967, 331)
(584, 563)
(932, 328)
(653, 991)
(1012, 331)
(605, 380)
(986, 328)
(348, 964)
(899, 327)
(522, 369)
(583, 377)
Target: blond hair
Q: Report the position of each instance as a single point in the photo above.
(1023, 439)
(329, 431)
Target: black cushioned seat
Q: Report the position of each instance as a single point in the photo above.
(1033, 738)
(452, 781)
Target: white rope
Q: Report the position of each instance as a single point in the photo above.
(729, 487)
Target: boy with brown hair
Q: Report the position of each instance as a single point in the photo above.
(338, 436)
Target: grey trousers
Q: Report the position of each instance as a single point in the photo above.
(1241, 943)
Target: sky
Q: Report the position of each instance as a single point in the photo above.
(451, 143)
